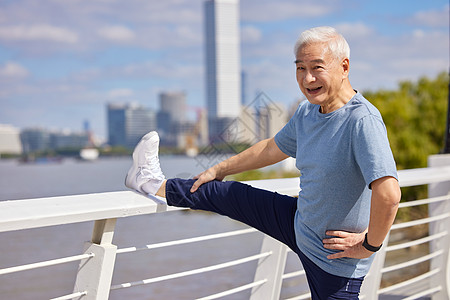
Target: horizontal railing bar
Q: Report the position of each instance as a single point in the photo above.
(235, 290)
(408, 282)
(186, 241)
(293, 274)
(420, 221)
(192, 272)
(412, 262)
(421, 176)
(301, 297)
(417, 242)
(71, 296)
(424, 201)
(46, 263)
(50, 211)
(424, 293)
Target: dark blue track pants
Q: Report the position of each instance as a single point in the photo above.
(268, 212)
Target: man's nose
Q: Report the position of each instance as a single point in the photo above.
(309, 77)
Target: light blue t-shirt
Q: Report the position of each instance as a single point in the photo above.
(338, 154)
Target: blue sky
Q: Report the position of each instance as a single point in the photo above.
(61, 61)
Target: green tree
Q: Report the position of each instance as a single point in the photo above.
(415, 116)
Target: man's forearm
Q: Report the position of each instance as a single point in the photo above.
(262, 154)
(384, 205)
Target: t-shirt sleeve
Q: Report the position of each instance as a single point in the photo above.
(372, 150)
(286, 138)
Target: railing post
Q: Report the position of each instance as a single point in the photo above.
(270, 268)
(442, 279)
(372, 281)
(95, 274)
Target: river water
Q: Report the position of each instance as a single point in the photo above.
(70, 177)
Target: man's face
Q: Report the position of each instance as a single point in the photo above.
(319, 74)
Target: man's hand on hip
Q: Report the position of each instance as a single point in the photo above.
(349, 244)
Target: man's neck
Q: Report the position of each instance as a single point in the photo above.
(347, 93)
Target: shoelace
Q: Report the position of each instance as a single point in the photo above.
(152, 169)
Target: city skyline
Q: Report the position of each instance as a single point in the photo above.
(62, 61)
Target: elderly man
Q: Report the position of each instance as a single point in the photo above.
(349, 188)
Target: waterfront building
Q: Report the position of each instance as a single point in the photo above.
(164, 125)
(171, 115)
(127, 123)
(41, 139)
(35, 139)
(116, 124)
(271, 119)
(10, 140)
(173, 103)
(67, 139)
(223, 64)
(243, 88)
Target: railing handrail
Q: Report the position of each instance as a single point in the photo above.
(420, 176)
(49, 211)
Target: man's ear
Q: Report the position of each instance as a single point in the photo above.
(345, 65)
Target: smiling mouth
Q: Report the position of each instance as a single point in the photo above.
(314, 90)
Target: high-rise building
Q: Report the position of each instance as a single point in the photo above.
(272, 117)
(173, 103)
(172, 113)
(223, 63)
(116, 124)
(127, 123)
(243, 88)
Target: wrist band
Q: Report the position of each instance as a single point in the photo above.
(370, 247)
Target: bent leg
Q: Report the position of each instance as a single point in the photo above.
(266, 211)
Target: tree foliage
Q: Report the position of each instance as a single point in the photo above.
(415, 116)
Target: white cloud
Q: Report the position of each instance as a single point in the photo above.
(353, 30)
(38, 32)
(250, 34)
(269, 10)
(116, 33)
(432, 18)
(12, 70)
(159, 70)
(380, 61)
(120, 93)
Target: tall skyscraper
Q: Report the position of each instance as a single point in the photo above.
(223, 62)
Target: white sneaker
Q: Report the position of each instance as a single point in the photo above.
(145, 168)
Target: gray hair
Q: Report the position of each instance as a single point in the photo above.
(335, 41)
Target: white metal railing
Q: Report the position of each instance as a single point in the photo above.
(93, 280)
(195, 271)
(48, 263)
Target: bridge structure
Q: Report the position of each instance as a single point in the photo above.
(93, 278)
